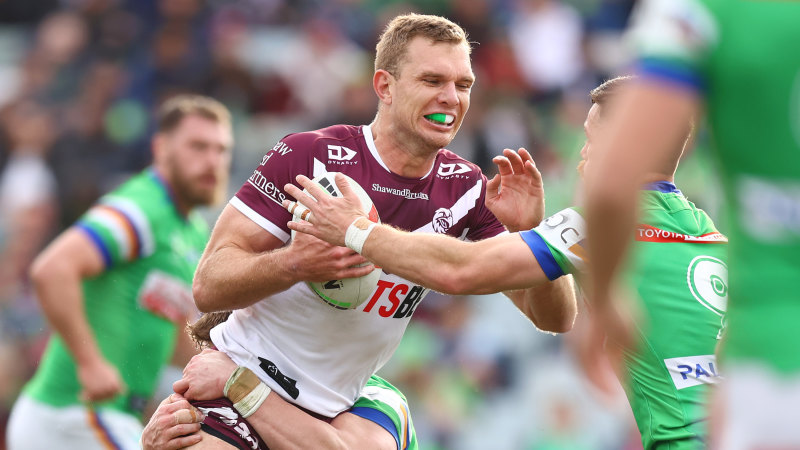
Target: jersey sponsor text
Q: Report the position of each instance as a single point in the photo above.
(405, 193)
(688, 371)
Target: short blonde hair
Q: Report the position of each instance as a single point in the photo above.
(176, 108)
(391, 48)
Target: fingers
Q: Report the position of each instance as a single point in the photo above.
(185, 441)
(356, 272)
(175, 402)
(526, 156)
(533, 171)
(191, 415)
(307, 201)
(297, 209)
(345, 188)
(315, 190)
(175, 397)
(180, 386)
(515, 160)
(503, 165)
(301, 227)
(493, 185)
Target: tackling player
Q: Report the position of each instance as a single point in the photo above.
(115, 285)
(734, 58)
(672, 365)
(379, 419)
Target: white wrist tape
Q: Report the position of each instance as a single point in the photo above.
(246, 391)
(252, 401)
(355, 236)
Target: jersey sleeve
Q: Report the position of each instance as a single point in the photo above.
(558, 243)
(120, 228)
(261, 195)
(382, 403)
(672, 40)
(485, 224)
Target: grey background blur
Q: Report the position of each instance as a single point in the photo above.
(79, 80)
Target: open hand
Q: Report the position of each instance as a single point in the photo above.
(329, 216)
(516, 194)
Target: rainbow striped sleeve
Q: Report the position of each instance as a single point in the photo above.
(120, 229)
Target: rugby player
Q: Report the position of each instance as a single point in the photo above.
(314, 355)
(732, 59)
(379, 419)
(116, 288)
(670, 368)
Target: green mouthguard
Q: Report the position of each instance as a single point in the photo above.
(438, 117)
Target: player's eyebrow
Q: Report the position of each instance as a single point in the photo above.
(428, 74)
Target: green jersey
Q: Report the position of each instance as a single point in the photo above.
(151, 252)
(384, 404)
(678, 272)
(738, 55)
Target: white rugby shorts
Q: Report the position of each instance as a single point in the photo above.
(756, 408)
(34, 425)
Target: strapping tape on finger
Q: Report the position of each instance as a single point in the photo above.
(299, 211)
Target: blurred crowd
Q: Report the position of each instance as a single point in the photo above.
(79, 80)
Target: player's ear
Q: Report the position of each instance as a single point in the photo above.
(383, 83)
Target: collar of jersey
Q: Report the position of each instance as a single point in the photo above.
(374, 150)
(168, 192)
(665, 187)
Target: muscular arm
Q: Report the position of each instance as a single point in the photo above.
(442, 262)
(243, 263)
(452, 266)
(57, 274)
(501, 263)
(284, 426)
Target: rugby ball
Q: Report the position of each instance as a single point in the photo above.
(347, 293)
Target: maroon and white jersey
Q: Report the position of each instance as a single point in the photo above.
(310, 353)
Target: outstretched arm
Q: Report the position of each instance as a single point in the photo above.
(436, 261)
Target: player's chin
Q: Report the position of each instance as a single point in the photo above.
(206, 196)
(440, 139)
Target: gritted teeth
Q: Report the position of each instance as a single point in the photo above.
(446, 119)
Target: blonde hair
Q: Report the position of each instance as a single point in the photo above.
(391, 48)
(176, 108)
